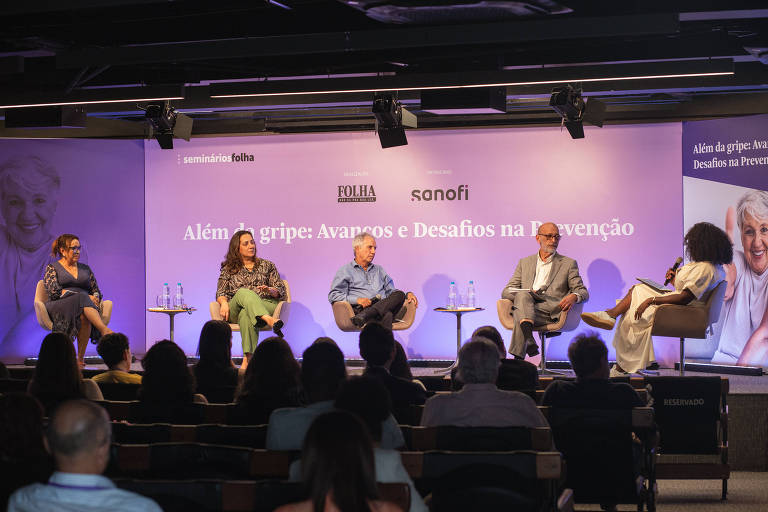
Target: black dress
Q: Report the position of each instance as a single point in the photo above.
(65, 310)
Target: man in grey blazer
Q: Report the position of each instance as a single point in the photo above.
(555, 286)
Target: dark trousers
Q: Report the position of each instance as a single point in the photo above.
(385, 309)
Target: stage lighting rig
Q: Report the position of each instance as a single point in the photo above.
(575, 110)
(165, 123)
(391, 120)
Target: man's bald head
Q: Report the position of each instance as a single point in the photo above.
(548, 238)
(78, 427)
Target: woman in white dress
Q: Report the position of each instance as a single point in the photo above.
(708, 248)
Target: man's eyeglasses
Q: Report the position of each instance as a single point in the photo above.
(551, 237)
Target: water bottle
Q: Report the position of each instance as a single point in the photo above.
(179, 297)
(166, 296)
(452, 295)
(471, 299)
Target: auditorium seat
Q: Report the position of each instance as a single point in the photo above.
(115, 391)
(567, 321)
(692, 416)
(465, 481)
(13, 385)
(605, 466)
(282, 311)
(197, 460)
(41, 297)
(480, 439)
(343, 313)
(180, 414)
(237, 495)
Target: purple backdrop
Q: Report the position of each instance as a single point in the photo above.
(100, 199)
(602, 184)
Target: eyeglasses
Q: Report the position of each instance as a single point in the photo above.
(75, 248)
(551, 237)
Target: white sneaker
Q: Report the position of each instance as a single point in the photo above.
(599, 319)
(617, 373)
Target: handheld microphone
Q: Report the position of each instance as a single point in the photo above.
(678, 261)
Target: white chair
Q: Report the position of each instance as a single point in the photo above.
(567, 321)
(343, 313)
(282, 310)
(41, 297)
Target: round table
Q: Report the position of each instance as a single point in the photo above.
(458, 311)
(171, 313)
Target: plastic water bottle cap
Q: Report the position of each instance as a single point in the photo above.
(471, 282)
(165, 284)
(453, 282)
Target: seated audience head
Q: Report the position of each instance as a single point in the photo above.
(215, 345)
(79, 437)
(115, 349)
(322, 371)
(589, 356)
(324, 339)
(367, 398)
(399, 366)
(273, 370)
(377, 345)
(57, 375)
(478, 362)
(707, 242)
(492, 334)
(21, 427)
(337, 462)
(166, 375)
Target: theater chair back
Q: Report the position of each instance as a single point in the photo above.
(687, 413)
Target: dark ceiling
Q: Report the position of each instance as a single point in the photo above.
(244, 67)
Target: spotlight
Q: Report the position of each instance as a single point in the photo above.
(165, 124)
(568, 102)
(391, 120)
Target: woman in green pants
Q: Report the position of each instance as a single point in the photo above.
(248, 291)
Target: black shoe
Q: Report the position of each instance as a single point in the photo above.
(358, 320)
(653, 366)
(276, 328)
(531, 348)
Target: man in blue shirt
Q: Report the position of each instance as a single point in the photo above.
(367, 287)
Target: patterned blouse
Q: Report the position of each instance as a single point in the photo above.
(54, 287)
(264, 273)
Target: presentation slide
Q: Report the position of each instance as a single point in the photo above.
(452, 205)
(725, 169)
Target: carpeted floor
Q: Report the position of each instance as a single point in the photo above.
(747, 492)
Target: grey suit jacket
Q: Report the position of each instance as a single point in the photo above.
(564, 278)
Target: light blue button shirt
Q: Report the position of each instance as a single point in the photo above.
(74, 492)
(352, 282)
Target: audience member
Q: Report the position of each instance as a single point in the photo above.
(215, 373)
(592, 389)
(167, 392)
(377, 347)
(322, 372)
(480, 403)
(57, 375)
(399, 366)
(368, 399)
(271, 382)
(23, 457)
(324, 339)
(79, 439)
(116, 354)
(514, 374)
(338, 467)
